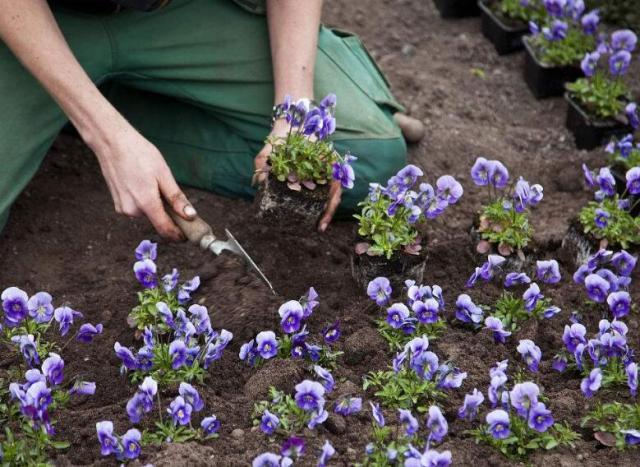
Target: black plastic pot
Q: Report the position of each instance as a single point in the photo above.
(589, 133)
(398, 269)
(457, 8)
(546, 80)
(278, 205)
(505, 35)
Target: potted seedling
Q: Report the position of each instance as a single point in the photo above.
(302, 165)
(389, 243)
(457, 8)
(556, 47)
(504, 22)
(624, 155)
(597, 101)
(502, 225)
(605, 222)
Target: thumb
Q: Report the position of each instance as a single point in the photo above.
(177, 199)
(260, 163)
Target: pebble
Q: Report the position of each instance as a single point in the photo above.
(237, 433)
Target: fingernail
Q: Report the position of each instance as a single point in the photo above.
(189, 210)
(323, 227)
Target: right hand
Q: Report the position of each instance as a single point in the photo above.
(139, 179)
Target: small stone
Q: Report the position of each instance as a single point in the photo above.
(408, 50)
(336, 424)
(351, 453)
(237, 433)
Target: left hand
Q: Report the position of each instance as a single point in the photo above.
(281, 129)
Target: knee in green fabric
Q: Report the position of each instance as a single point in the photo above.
(4, 217)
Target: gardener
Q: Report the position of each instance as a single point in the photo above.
(197, 78)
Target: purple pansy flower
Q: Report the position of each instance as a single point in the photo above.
(573, 336)
(619, 303)
(178, 353)
(601, 218)
(65, 316)
(331, 333)
(590, 22)
(516, 278)
(633, 180)
(540, 418)
(83, 388)
(467, 311)
(548, 271)
(292, 447)
(28, 348)
(269, 422)
(343, 171)
(348, 406)
(409, 421)
(397, 314)
(531, 354)
(437, 424)
(88, 331)
(531, 297)
(449, 189)
(591, 383)
(291, 315)
(624, 262)
(180, 411)
(108, 442)
(589, 63)
(15, 305)
(631, 371)
(146, 273)
(377, 414)
(597, 287)
(327, 452)
(131, 443)
(469, 408)
(310, 395)
(210, 425)
(146, 250)
(379, 289)
(499, 425)
(40, 307)
(631, 111)
(53, 369)
(523, 396)
(495, 325)
(624, 39)
(266, 344)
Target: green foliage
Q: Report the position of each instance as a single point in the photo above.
(617, 159)
(513, 9)
(613, 418)
(622, 13)
(164, 374)
(403, 390)
(384, 440)
(397, 338)
(168, 432)
(622, 228)
(568, 51)
(328, 357)
(511, 311)
(523, 440)
(505, 227)
(292, 418)
(298, 156)
(146, 314)
(388, 234)
(38, 330)
(601, 97)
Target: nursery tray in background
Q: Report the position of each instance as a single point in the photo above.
(457, 8)
(546, 80)
(505, 37)
(588, 133)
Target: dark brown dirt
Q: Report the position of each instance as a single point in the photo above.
(65, 238)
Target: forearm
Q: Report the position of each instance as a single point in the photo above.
(293, 32)
(29, 29)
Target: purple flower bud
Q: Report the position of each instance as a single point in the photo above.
(409, 421)
(531, 297)
(327, 452)
(559, 363)
(632, 378)
(494, 324)
(631, 111)
(437, 424)
(83, 388)
(499, 425)
(378, 416)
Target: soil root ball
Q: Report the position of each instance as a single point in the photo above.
(282, 374)
(365, 341)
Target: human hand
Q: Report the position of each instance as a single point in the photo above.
(139, 179)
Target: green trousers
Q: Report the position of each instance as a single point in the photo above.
(196, 79)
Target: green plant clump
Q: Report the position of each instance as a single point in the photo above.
(505, 227)
(532, 10)
(620, 420)
(605, 220)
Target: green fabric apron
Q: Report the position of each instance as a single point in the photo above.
(195, 78)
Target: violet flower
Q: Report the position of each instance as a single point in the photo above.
(146, 273)
(170, 281)
(409, 421)
(589, 64)
(210, 425)
(88, 331)
(269, 423)
(180, 411)
(15, 305)
(126, 356)
(178, 353)
(633, 180)
(437, 424)
(327, 452)
(467, 311)
(631, 437)
(65, 316)
(516, 278)
(40, 307)
(83, 388)
(495, 325)
(131, 444)
(379, 289)
(343, 171)
(631, 371)
(331, 333)
(531, 354)
(523, 396)
(624, 39)
(591, 383)
(397, 314)
(28, 348)
(327, 379)
(309, 302)
(292, 447)
(619, 303)
(53, 369)
(266, 344)
(136, 407)
(469, 408)
(590, 22)
(601, 218)
(597, 288)
(573, 336)
(269, 459)
(540, 418)
(531, 297)
(631, 111)
(310, 395)
(146, 250)
(186, 289)
(624, 262)
(108, 442)
(427, 311)
(499, 424)
(559, 363)
(191, 396)
(200, 319)
(548, 271)
(348, 406)
(449, 189)
(377, 414)
(291, 315)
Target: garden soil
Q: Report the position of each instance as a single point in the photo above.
(64, 237)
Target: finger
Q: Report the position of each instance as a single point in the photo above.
(335, 196)
(161, 221)
(260, 163)
(176, 198)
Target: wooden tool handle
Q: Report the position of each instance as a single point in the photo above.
(194, 230)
